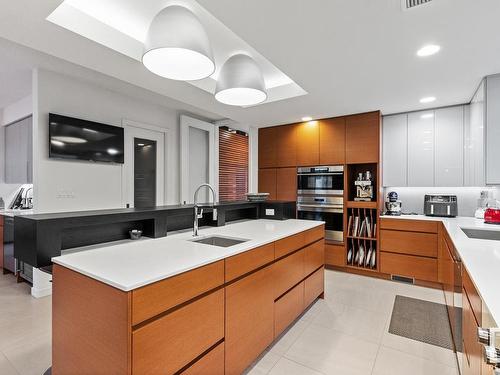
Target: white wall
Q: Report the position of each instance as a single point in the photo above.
(17, 110)
(413, 197)
(9, 114)
(92, 185)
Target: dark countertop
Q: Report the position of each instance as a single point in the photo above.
(121, 211)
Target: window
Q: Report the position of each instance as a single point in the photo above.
(233, 164)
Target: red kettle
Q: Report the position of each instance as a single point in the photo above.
(492, 216)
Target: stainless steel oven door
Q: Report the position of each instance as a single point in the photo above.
(321, 180)
(332, 216)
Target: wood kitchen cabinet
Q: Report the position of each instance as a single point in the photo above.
(267, 182)
(308, 143)
(332, 141)
(214, 319)
(267, 147)
(249, 319)
(1, 241)
(472, 359)
(362, 138)
(286, 145)
(409, 248)
(286, 184)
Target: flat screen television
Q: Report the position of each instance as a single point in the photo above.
(72, 138)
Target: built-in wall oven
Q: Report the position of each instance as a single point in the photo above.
(320, 197)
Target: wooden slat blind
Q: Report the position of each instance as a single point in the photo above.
(233, 165)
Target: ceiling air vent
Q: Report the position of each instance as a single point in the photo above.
(410, 4)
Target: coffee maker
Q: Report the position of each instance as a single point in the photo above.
(393, 205)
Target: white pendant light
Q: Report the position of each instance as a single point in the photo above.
(177, 46)
(240, 82)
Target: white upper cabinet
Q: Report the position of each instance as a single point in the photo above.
(395, 150)
(493, 130)
(449, 143)
(474, 139)
(421, 148)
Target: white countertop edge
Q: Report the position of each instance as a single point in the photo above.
(67, 260)
(485, 275)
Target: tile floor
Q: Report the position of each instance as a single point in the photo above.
(344, 334)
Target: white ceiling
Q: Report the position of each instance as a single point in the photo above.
(350, 56)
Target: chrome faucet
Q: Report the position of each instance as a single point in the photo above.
(199, 214)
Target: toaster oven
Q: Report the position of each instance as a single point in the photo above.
(441, 205)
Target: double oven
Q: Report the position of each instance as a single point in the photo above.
(320, 196)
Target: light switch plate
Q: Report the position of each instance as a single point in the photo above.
(269, 211)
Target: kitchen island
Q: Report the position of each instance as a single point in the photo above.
(171, 305)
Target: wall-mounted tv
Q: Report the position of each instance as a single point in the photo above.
(72, 138)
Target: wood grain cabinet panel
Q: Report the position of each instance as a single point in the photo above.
(194, 327)
(286, 146)
(332, 141)
(334, 255)
(248, 261)
(362, 138)
(249, 320)
(314, 234)
(475, 300)
(211, 363)
(410, 266)
(289, 244)
(287, 272)
(156, 298)
(427, 226)
(267, 147)
(286, 184)
(90, 326)
(314, 286)
(411, 243)
(267, 182)
(472, 351)
(314, 257)
(288, 308)
(308, 143)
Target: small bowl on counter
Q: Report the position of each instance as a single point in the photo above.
(135, 234)
(257, 197)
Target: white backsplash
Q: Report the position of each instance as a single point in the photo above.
(467, 197)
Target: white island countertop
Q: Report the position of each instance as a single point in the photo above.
(480, 257)
(134, 264)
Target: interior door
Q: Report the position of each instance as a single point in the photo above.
(144, 167)
(197, 164)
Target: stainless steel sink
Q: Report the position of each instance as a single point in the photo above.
(482, 234)
(220, 241)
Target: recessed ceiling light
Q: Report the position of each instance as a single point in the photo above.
(427, 115)
(427, 99)
(307, 118)
(428, 50)
(57, 143)
(141, 144)
(112, 151)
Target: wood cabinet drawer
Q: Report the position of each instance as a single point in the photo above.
(334, 255)
(473, 296)
(410, 266)
(249, 319)
(211, 363)
(314, 285)
(287, 272)
(427, 226)
(314, 257)
(313, 235)
(472, 357)
(156, 298)
(194, 328)
(289, 244)
(411, 243)
(248, 261)
(288, 308)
